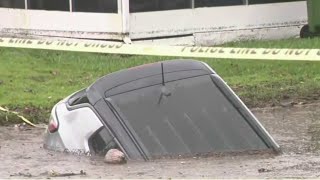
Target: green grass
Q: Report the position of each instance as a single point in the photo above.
(32, 81)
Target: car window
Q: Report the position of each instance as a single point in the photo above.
(78, 98)
(186, 116)
(101, 142)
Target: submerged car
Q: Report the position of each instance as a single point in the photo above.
(170, 108)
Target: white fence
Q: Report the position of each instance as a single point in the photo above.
(206, 25)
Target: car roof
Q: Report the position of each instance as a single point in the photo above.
(213, 114)
(112, 81)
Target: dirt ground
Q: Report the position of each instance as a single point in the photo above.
(296, 129)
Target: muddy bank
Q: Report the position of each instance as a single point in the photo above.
(296, 129)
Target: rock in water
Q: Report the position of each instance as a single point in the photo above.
(114, 156)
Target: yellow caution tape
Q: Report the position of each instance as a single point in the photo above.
(17, 114)
(177, 51)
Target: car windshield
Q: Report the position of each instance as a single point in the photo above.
(187, 116)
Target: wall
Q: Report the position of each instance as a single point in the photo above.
(216, 25)
(200, 26)
(52, 23)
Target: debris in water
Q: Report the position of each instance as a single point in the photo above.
(21, 127)
(114, 156)
(287, 103)
(263, 170)
(22, 174)
(57, 174)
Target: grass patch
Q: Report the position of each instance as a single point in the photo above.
(32, 81)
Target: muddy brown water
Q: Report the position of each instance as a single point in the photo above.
(296, 130)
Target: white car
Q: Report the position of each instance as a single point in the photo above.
(164, 109)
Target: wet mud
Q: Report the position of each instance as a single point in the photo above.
(296, 129)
